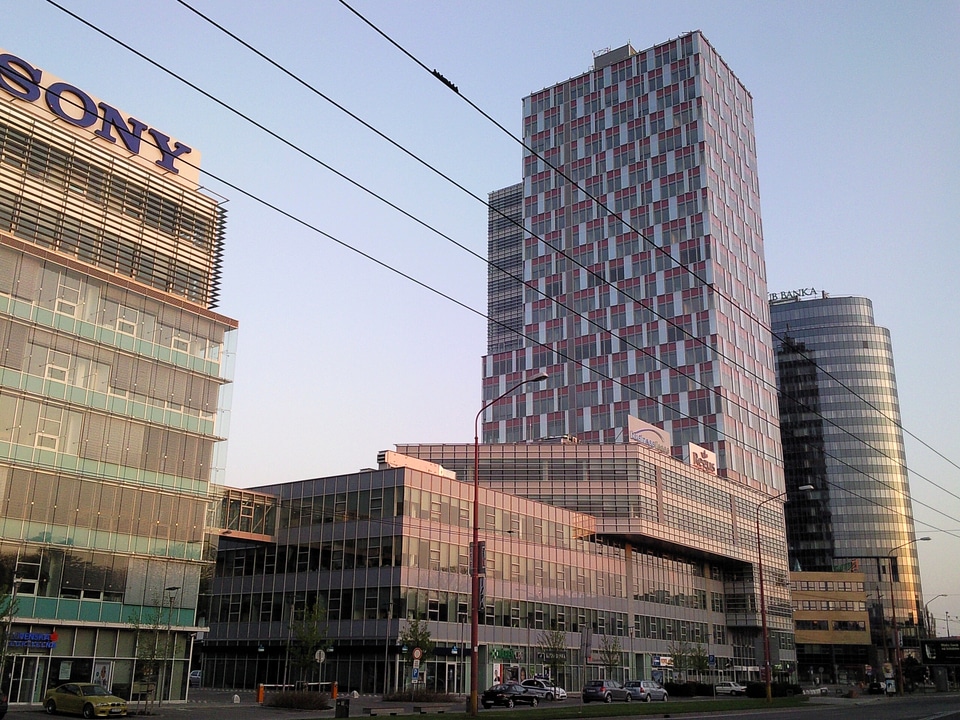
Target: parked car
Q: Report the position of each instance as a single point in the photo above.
(87, 699)
(551, 691)
(196, 676)
(645, 690)
(510, 694)
(605, 691)
(3, 704)
(730, 688)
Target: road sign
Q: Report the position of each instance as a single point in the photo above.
(416, 664)
(320, 656)
(416, 674)
(417, 653)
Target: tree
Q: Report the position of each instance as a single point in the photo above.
(681, 654)
(699, 660)
(308, 634)
(417, 634)
(150, 647)
(553, 648)
(611, 653)
(8, 610)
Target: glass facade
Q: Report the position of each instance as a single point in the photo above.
(665, 559)
(840, 419)
(112, 370)
(662, 140)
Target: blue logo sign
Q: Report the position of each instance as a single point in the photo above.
(21, 80)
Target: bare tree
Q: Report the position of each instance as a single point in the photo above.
(150, 638)
(553, 647)
(8, 610)
(308, 635)
(611, 653)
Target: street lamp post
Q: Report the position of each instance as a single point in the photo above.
(767, 670)
(164, 680)
(475, 552)
(893, 610)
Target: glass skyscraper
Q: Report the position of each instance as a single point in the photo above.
(113, 366)
(841, 430)
(647, 299)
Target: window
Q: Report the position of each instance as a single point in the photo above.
(127, 320)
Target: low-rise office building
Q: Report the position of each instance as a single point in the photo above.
(664, 564)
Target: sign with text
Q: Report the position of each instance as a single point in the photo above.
(643, 433)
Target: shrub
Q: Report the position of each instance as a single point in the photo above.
(777, 689)
(299, 700)
(680, 689)
(427, 696)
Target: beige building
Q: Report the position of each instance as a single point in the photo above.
(832, 625)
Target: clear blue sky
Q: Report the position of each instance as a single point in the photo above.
(856, 106)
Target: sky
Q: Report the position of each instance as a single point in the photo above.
(856, 110)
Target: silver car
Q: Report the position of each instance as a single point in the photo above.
(645, 690)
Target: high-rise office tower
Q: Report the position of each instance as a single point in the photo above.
(647, 299)
(841, 430)
(112, 362)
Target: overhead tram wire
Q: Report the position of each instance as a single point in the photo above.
(639, 233)
(339, 174)
(426, 286)
(556, 352)
(638, 301)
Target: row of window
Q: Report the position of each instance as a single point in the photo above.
(852, 605)
(59, 168)
(827, 585)
(840, 625)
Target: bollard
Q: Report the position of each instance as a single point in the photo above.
(236, 699)
(260, 694)
(334, 690)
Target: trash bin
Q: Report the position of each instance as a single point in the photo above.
(342, 708)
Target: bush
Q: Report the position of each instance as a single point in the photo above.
(680, 689)
(777, 689)
(427, 696)
(702, 688)
(299, 700)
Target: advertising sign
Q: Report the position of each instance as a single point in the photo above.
(940, 652)
(701, 458)
(643, 433)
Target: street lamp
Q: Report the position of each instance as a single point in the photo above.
(893, 609)
(168, 681)
(763, 601)
(927, 615)
(475, 552)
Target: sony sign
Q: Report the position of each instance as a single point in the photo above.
(22, 81)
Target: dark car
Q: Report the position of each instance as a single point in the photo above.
(508, 695)
(3, 704)
(605, 691)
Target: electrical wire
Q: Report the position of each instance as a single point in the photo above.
(601, 204)
(420, 283)
(640, 302)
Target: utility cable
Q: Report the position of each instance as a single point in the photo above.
(533, 340)
(602, 205)
(640, 302)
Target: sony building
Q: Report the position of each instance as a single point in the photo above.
(112, 369)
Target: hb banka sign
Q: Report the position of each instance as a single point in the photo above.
(72, 105)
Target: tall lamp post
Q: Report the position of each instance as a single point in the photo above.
(475, 553)
(767, 671)
(893, 609)
(168, 681)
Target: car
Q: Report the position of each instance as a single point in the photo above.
(551, 691)
(605, 691)
(510, 694)
(730, 688)
(87, 699)
(195, 678)
(3, 704)
(645, 690)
